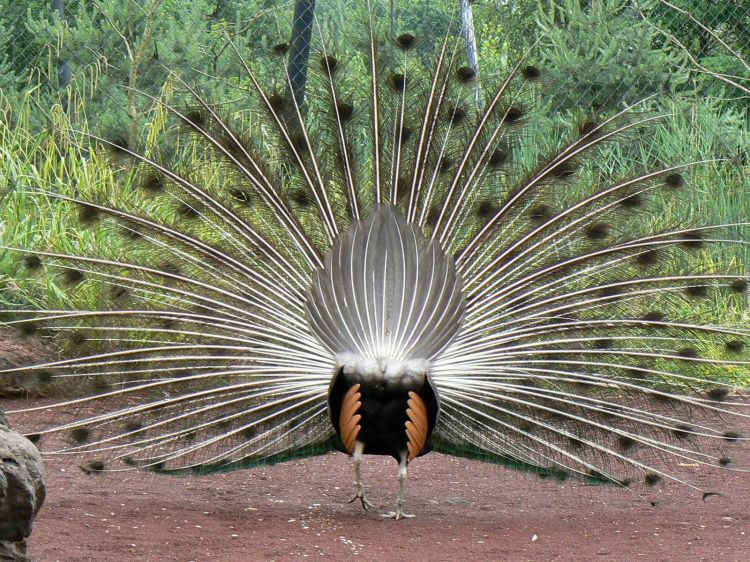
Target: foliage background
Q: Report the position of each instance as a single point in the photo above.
(77, 69)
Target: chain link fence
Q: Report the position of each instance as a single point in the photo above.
(610, 53)
(600, 54)
(19, 48)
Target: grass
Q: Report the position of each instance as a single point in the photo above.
(52, 159)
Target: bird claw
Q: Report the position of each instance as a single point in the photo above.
(360, 495)
(398, 514)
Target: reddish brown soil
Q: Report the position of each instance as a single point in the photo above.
(16, 351)
(465, 511)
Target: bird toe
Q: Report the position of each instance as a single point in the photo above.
(397, 515)
(360, 495)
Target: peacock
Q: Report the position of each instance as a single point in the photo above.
(373, 266)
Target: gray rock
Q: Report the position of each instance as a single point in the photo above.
(13, 552)
(22, 492)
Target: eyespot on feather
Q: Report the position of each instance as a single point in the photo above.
(732, 436)
(739, 286)
(345, 111)
(632, 201)
(88, 214)
(674, 180)
(73, 276)
(597, 231)
(696, 291)
(652, 479)
(513, 115)
(398, 82)
(540, 213)
(32, 262)
(28, 329)
(406, 41)
(80, 434)
(689, 353)
(718, 394)
(93, 467)
(587, 128)
(498, 157)
(153, 183)
(329, 64)
(654, 316)
(531, 72)
(465, 74)
(735, 346)
(692, 240)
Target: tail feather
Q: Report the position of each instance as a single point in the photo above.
(565, 325)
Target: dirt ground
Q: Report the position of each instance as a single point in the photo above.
(465, 511)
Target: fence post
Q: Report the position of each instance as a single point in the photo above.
(299, 52)
(63, 69)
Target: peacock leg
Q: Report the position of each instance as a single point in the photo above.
(359, 447)
(401, 502)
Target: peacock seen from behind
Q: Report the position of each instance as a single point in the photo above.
(375, 271)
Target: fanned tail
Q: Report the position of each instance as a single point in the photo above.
(575, 332)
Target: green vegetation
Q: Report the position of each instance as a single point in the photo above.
(597, 56)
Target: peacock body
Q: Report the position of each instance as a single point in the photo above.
(373, 271)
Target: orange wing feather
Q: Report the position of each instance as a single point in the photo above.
(416, 426)
(349, 426)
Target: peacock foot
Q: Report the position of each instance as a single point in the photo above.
(398, 514)
(360, 495)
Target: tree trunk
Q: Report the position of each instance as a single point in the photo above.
(467, 28)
